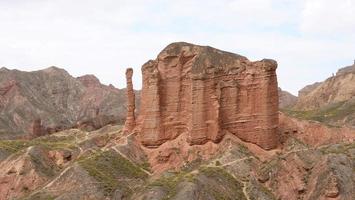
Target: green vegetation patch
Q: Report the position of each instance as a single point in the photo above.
(170, 182)
(333, 112)
(222, 185)
(13, 146)
(112, 171)
(257, 191)
(241, 150)
(268, 169)
(40, 196)
(146, 166)
(42, 163)
(338, 148)
(212, 182)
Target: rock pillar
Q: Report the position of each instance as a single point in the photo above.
(36, 129)
(130, 119)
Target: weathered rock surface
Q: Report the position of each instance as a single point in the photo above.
(310, 173)
(45, 101)
(312, 132)
(206, 93)
(25, 172)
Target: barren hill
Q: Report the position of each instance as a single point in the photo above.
(338, 88)
(331, 101)
(286, 99)
(49, 100)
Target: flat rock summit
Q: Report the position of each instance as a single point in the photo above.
(207, 93)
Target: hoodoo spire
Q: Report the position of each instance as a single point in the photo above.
(131, 106)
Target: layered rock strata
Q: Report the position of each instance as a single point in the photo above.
(206, 93)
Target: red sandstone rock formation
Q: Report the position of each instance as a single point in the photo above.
(36, 128)
(206, 93)
(131, 106)
(312, 132)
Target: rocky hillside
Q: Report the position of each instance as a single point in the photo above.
(45, 101)
(331, 101)
(338, 88)
(286, 99)
(106, 164)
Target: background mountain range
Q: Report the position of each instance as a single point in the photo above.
(45, 101)
(331, 101)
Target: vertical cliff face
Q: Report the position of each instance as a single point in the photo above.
(206, 93)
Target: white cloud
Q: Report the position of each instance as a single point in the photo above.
(104, 37)
(329, 17)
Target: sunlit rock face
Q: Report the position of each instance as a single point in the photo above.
(207, 93)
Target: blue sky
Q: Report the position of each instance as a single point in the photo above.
(310, 39)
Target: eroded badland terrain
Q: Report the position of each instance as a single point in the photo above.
(206, 126)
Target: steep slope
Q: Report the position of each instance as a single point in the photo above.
(338, 88)
(335, 114)
(106, 164)
(49, 100)
(331, 101)
(60, 165)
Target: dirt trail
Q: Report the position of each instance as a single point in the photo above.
(238, 160)
(56, 178)
(245, 190)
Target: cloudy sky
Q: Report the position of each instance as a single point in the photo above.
(310, 39)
